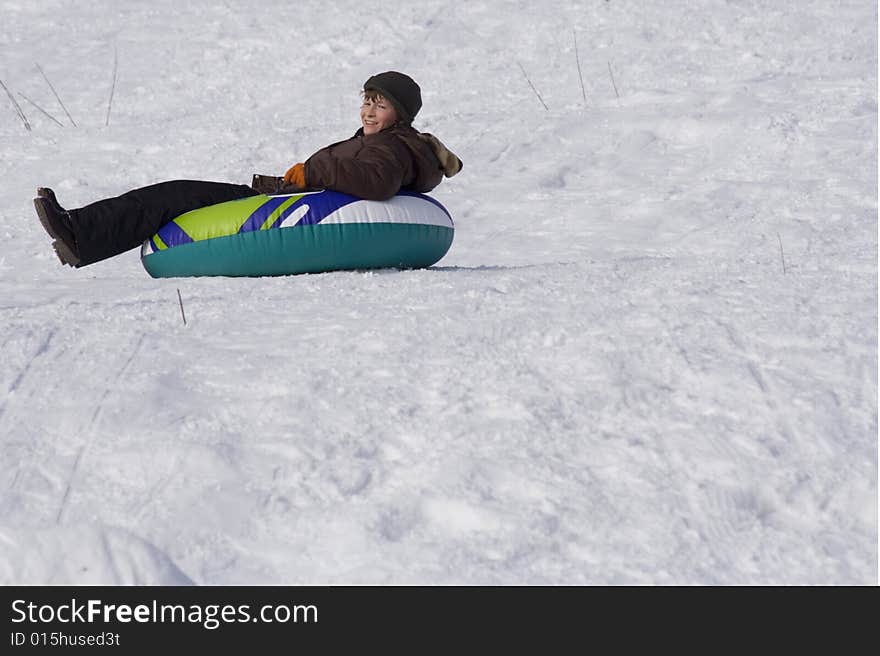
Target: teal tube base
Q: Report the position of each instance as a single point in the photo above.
(305, 249)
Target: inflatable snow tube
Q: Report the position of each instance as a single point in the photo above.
(301, 233)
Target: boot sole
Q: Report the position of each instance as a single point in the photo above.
(62, 250)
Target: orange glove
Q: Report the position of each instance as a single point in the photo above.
(296, 175)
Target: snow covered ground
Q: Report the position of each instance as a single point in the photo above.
(650, 356)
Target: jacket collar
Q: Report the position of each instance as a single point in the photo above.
(360, 130)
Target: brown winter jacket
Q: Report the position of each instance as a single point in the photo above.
(376, 166)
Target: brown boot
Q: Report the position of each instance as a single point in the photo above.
(56, 221)
(45, 192)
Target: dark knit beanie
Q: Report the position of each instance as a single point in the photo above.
(401, 90)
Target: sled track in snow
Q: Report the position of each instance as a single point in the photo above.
(89, 430)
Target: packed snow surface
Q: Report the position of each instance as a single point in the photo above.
(650, 356)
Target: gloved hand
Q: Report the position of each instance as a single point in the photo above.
(296, 175)
(267, 184)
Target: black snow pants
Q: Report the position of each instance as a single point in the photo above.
(114, 225)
